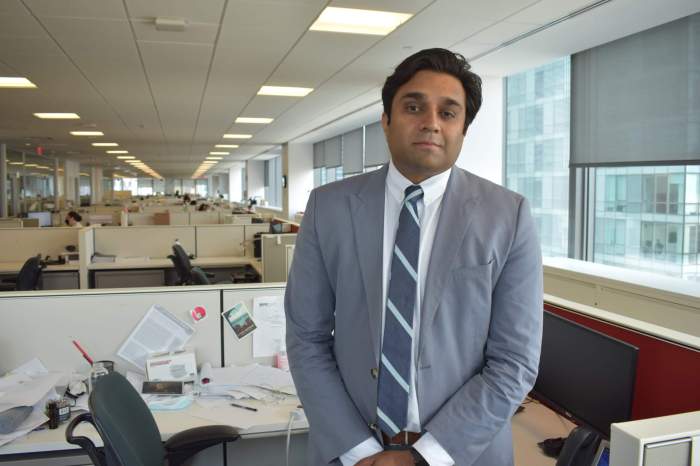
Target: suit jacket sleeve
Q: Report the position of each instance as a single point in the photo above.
(336, 424)
(467, 422)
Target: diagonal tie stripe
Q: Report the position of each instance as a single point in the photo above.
(395, 369)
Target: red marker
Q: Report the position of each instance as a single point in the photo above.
(82, 351)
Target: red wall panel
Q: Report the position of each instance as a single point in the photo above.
(668, 374)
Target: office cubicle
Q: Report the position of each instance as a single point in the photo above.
(102, 319)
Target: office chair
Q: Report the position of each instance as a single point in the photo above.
(130, 434)
(29, 277)
(199, 276)
(184, 268)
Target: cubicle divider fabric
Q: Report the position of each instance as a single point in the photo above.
(102, 320)
(668, 379)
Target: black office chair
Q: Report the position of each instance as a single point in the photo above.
(29, 277)
(199, 276)
(130, 434)
(183, 268)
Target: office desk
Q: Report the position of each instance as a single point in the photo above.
(533, 425)
(261, 444)
(140, 272)
(54, 277)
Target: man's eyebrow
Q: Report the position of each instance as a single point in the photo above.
(420, 97)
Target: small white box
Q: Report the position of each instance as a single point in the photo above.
(178, 366)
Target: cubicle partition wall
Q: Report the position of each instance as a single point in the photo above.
(43, 324)
(143, 241)
(220, 240)
(668, 363)
(274, 255)
(18, 244)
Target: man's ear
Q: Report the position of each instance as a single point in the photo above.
(385, 122)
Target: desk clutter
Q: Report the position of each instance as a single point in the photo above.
(164, 371)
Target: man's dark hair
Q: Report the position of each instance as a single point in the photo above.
(440, 61)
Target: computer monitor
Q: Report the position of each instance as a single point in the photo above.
(586, 375)
(44, 218)
(602, 456)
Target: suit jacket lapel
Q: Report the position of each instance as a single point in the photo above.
(367, 208)
(456, 215)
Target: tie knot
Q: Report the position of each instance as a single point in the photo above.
(413, 193)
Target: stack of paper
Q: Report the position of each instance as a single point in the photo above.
(252, 380)
(29, 385)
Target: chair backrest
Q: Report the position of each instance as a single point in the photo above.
(181, 261)
(29, 274)
(199, 277)
(125, 423)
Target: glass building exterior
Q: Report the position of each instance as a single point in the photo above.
(537, 148)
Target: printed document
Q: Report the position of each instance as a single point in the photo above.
(268, 312)
(159, 331)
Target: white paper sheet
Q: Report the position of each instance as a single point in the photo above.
(158, 331)
(268, 312)
(35, 419)
(20, 390)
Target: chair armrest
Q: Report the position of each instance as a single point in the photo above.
(185, 444)
(96, 456)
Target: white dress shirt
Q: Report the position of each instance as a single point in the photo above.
(428, 213)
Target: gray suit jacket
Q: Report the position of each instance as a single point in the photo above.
(481, 317)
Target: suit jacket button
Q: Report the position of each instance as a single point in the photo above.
(374, 372)
(372, 426)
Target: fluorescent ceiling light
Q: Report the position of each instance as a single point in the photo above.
(57, 116)
(215, 158)
(117, 151)
(16, 163)
(16, 82)
(355, 21)
(87, 133)
(218, 153)
(227, 146)
(125, 157)
(285, 91)
(31, 165)
(254, 120)
(105, 144)
(238, 136)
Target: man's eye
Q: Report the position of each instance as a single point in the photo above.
(412, 108)
(448, 115)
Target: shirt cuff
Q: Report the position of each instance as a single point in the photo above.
(432, 451)
(361, 451)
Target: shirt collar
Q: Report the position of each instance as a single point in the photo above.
(433, 188)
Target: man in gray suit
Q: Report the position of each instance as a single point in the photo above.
(414, 302)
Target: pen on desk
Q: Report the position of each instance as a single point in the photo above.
(82, 351)
(236, 405)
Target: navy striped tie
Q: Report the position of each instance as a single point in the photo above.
(395, 365)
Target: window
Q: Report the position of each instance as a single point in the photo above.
(273, 181)
(537, 148)
(647, 206)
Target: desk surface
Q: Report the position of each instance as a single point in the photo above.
(533, 425)
(270, 420)
(163, 262)
(14, 267)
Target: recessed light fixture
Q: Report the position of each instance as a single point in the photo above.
(285, 91)
(227, 146)
(238, 136)
(16, 163)
(356, 21)
(254, 120)
(105, 144)
(218, 153)
(16, 82)
(31, 165)
(117, 151)
(87, 133)
(57, 116)
(125, 157)
(215, 158)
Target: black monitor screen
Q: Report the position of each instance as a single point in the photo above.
(585, 374)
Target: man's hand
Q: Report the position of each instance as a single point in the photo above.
(389, 458)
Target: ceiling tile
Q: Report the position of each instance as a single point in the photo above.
(201, 33)
(102, 9)
(192, 11)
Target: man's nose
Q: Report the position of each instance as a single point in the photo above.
(431, 121)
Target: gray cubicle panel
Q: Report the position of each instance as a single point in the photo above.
(250, 231)
(220, 240)
(43, 324)
(19, 244)
(241, 351)
(274, 256)
(143, 241)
